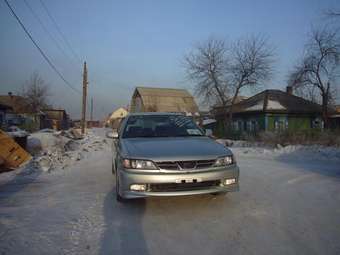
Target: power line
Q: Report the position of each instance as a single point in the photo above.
(47, 31)
(38, 47)
(60, 32)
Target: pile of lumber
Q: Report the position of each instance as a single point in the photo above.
(11, 154)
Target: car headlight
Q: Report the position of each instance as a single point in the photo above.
(139, 164)
(224, 161)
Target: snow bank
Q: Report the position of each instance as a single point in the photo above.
(302, 152)
(54, 150)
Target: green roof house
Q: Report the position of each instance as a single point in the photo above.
(274, 110)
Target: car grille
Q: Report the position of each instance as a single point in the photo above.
(168, 187)
(179, 165)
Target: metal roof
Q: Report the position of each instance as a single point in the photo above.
(276, 101)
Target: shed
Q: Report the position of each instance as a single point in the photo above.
(56, 119)
(17, 103)
(147, 99)
(21, 113)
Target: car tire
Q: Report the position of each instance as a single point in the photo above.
(119, 198)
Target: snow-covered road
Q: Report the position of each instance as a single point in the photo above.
(283, 207)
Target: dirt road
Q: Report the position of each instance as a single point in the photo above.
(282, 208)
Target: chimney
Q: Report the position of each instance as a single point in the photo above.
(289, 90)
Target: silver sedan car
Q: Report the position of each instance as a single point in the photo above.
(167, 154)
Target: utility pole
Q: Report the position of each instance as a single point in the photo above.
(83, 112)
(91, 118)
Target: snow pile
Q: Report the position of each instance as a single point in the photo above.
(256, 107)
(302, 152)
(56, 150)
(275, 105)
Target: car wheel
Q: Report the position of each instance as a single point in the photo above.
(119, 198)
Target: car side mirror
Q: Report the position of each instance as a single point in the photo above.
(112, 134)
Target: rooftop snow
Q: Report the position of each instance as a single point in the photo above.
(275, 105)
(256, 107)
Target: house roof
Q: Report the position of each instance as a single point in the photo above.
(17, 103)
(238, 99)
(166, 100)
(276, 101)
(53, 110)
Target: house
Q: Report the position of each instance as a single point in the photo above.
(335, 118)
(146, 99)
(116, 117)
(20, 113)
(56, 119)
(273, 110)
(93, 124)
(3, 115)
(18, 103)
(207, 120)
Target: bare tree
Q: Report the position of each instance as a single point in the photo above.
(250, 67)
(310, 93)
(206, 65)
(36, 92)
(221, 72)
(319, 67)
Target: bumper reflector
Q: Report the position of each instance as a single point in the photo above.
(138, 187)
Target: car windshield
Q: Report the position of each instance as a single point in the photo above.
(160, 126)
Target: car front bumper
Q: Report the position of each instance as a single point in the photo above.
(173, 182)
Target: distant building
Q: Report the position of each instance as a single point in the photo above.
(335, 118)
(20, 113)
(273, 110)
(93, 123)
(18, 103)
(56, 119)
(146, 99)
(4, 109)
(116, 117)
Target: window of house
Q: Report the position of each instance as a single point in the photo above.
(280, 124)
(235, 125)
(253, 125)
(240, 125)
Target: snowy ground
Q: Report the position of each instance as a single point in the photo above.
(289, 203)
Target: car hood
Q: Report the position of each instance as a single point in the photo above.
(173, 148)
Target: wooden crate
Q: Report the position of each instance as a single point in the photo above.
(11, 153)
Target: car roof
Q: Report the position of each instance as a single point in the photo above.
(154, 113)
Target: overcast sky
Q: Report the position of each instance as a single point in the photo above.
(141, 43)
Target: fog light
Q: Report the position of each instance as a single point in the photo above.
(229, 181)
(138, 187)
